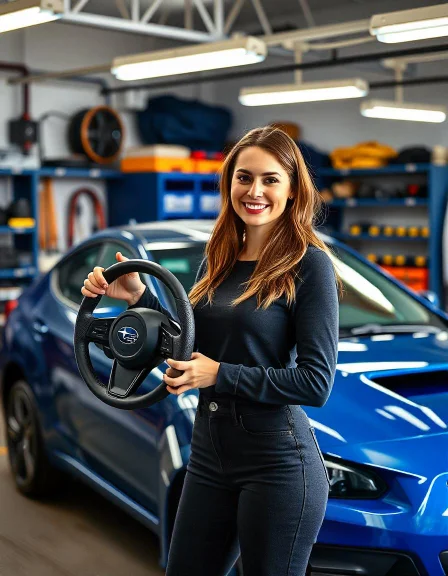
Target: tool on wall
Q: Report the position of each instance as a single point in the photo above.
(95, 136)
(74, 212)
(48, 232)
(22, 131)
(97, 133)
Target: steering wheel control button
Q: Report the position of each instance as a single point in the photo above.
(213, 406)
(99, 330)
(166, 342)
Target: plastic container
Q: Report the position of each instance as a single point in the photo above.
(415, 278)
(157, 164)
(207, 166)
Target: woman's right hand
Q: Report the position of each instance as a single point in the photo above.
(128, 287)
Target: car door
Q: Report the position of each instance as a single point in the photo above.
(53, 324)
(120, 445)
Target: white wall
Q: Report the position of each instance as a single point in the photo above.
(54, 47)
(339, 123)
(58, 46)
(331, 124)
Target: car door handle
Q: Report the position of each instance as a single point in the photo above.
(40, 327)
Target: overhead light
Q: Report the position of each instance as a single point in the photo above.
(391, 110)
(17, 14)
(235, 52)
(303, 92)
(410, 25)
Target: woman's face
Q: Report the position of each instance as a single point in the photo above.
(259, 181)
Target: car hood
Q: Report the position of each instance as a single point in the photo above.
(386, 387)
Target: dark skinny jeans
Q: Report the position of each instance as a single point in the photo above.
(256, 485)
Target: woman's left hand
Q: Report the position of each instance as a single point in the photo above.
(199, 372)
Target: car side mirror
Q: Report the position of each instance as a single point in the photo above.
(430, 296)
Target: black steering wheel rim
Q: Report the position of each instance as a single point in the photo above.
(171, 342)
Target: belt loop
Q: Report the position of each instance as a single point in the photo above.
(233, 412)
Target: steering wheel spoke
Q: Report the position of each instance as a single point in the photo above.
(99, 329)
(125, 381)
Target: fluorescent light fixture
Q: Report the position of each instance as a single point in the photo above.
(410, 25)
(235, 52)
(303, 92)
(17, 14)
(391, 110)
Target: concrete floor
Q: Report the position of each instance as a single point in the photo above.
(78, 533)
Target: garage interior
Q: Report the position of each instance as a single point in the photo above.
(101, 127)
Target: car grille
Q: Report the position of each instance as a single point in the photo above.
(332, 560)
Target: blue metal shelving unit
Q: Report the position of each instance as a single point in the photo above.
(347, 236)
(61, 172)
(148, 196)
(391, 169)
(436, 178)
(25, 184)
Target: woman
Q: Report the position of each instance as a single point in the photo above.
(266, 294)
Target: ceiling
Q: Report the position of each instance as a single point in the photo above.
(282, 14)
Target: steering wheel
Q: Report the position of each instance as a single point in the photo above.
(137, 340)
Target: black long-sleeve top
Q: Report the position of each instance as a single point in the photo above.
(281, 355)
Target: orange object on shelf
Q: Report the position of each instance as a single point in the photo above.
(48, 231)
(415, 278)
(204, 166)
(157, 164)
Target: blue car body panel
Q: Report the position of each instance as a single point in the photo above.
(372, 418)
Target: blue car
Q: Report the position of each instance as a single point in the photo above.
(383, 432)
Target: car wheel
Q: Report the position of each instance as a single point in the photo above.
(30, 468)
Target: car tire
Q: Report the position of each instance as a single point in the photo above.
(31, 470)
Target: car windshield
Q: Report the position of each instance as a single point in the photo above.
(371, 302)
(180, 258)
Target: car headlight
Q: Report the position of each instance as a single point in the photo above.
(349, 481)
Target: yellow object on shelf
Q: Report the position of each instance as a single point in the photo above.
(374, 230)
(400, 230)
(424, 231)
(388, 231)
(413, 231)
(362, 155)
(157, 164)
(372, 257)
(400, 260)
(420, 260)
(21, 222)
(355, 230)
(388, 259)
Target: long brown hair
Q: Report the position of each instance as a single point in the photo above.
(293, 231)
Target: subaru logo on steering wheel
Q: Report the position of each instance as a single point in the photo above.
(127, 335)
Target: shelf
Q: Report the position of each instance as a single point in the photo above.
(61, 172)
(346, 236)
(351, 202)
(23, 272)
(17, 230)
(392, 169)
